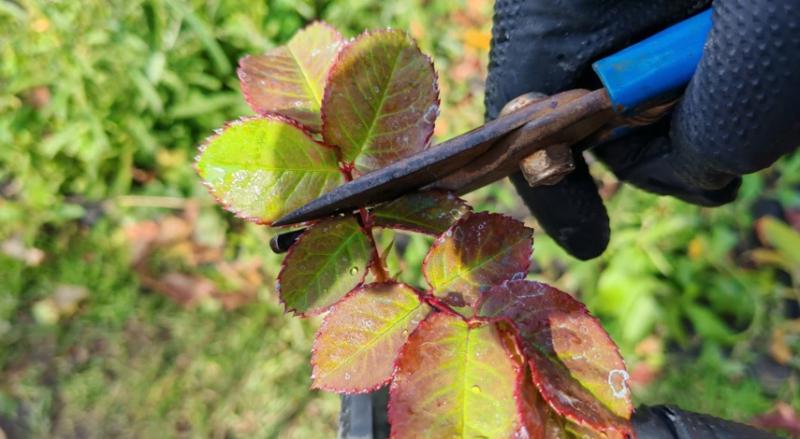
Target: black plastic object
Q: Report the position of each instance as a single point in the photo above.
(281, 243)
(668, 422)
(364, 417)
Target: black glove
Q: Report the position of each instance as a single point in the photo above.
(738, 116)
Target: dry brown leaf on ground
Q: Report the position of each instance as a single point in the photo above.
(173, 229)
(63, 302)
(15, 248)
(780, 346)
(159, 246)
(140, 237)
(185, 290)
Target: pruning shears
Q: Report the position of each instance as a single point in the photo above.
(537, 134)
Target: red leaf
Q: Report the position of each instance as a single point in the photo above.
(431, 212)
(328, 261)
(534, 413)
(453, 379)
(479, 251)
(538, 420)
(381, 100)
(574, 363)
(358, 342)
(290, 80)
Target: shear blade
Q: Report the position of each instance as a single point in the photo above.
(411, 173)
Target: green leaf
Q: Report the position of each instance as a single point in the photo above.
(709, 325)
(430, 212)
(574, 363)
(780, 236)
(479, 251)
(358, 342)
(263, 168)
(328, 261)
(290, 80)
(453, 380)
(381, 100)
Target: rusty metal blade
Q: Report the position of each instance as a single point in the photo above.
(420, 169)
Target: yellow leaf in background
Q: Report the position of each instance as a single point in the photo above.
(477, 39)
(417, 30)
(696, 249)
(40, 25)
(780, 346)
(16, 248)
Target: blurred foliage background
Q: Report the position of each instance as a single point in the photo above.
(132, 306)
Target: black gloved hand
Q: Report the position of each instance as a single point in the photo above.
(738, 115)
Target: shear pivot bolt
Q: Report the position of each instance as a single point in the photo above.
(522, 101)
(548, 166)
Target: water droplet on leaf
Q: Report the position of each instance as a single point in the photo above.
(353, 271)
(476, 389)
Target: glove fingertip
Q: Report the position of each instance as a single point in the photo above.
(571, 212)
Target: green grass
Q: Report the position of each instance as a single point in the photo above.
(102, 104)
(93, 94)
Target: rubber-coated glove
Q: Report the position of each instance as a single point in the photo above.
(739, 113)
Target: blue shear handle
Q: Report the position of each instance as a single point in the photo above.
(655, 67)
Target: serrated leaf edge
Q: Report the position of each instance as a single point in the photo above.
(346, 46)
(242, 75)
(239, 121)
(427, 321)
(419, 229)
(532, 365)
(306, 314)
(471, 324)
(440, 240)
(359, 289)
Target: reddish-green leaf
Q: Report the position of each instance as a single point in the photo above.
(537, 419)
(290, 80)
(431, 212)
(574, 363)
(381, 100)
(453, 380)
(358, 342)
(477, 252)
(262, 168)
(328, 261)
